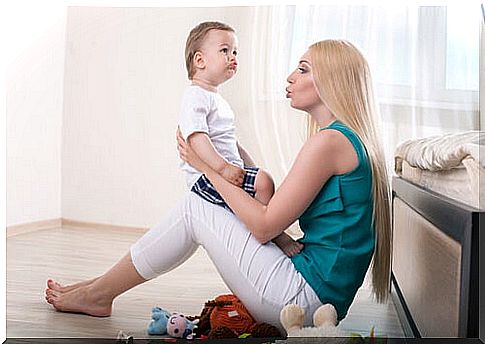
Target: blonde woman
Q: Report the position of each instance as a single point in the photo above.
(337, 188)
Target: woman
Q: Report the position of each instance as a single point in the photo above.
(337, 188)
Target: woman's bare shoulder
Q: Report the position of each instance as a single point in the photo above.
(336, 149)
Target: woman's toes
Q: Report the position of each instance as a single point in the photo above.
(52, 284)
(54, 293)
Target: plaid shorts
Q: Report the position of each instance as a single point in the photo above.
(204, 188)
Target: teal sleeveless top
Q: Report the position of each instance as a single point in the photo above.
(338, 232)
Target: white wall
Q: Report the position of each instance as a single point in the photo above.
(124, 79)
(35, 73)
(93, 95)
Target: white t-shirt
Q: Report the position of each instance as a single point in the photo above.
(208, 112)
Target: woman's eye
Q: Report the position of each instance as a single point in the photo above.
(301, 70)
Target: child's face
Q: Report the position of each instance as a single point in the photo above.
(219, 51)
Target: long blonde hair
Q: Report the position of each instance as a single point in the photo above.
(343, 81)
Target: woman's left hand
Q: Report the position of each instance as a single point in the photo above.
(188, 155)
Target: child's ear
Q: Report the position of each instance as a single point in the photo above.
(199, 61)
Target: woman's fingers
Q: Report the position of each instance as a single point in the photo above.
(181, 145)
(180, 139)
(181, 142)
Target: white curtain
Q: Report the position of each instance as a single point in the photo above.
(424, 62)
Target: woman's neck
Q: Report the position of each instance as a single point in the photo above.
(206, 85)
(322, 116)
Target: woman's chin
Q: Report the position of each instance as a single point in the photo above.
(294, 105)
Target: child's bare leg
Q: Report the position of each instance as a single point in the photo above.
(264, 187)
(96, 298)
(288, 245)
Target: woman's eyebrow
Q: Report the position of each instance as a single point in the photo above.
(304, 61)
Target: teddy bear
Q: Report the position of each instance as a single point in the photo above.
(158, 324)
(324, 321)
(178, 326)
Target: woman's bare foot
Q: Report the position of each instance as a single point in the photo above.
(80, 300)
(95, 297)
(51, 284)
(289, 246)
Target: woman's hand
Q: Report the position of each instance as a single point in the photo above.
(188, 155)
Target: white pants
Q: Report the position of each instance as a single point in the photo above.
(261, 276)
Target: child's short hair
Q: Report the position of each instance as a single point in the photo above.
(196, 38)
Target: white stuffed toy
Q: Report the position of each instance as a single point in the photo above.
(324, 321)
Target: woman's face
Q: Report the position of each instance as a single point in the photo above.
(301, 89)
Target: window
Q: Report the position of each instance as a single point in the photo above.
(462, 48)
(420, 55)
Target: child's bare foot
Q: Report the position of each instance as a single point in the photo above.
(289, 246)
(51, 284)
(79, 300)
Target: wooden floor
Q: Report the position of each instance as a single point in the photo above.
(73, 254)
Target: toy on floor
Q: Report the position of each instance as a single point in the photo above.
(124, 338)
(158, 324)
(324, 321)
(224, 317)
(227, 317)
(179, 326)
(230, 312)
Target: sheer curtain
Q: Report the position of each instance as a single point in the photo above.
(424, 61)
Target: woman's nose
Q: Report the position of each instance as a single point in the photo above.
(290, 78)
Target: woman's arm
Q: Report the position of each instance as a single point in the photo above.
(323, 155)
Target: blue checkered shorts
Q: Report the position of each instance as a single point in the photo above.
(204, 188)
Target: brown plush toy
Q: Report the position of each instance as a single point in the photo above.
(204, 325)
(226, 317)
(264, 330)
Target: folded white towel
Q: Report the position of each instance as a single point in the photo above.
(441, 152)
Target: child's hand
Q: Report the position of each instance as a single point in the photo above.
(233, 174)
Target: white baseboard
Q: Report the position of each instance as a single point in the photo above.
(59, 223)
(103, 226)
(33, 226)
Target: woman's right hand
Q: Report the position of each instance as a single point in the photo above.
(188, 155)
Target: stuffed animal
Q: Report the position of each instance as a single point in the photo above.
(158, 324)
(178, 326)
(324, 321)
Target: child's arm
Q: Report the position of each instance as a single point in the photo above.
(202, 145)
(247, 159)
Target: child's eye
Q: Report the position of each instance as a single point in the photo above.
(224, 50)
(235, 52)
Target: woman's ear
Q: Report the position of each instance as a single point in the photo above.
(199, 61)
